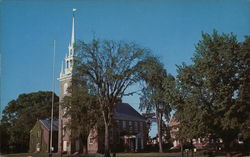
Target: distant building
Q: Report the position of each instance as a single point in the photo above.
(199, 143)
(40, 136)
(128, 132)
(174, 128)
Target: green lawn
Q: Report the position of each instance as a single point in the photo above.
(146, 154)
(28, 155)
(117, 155)
(31, 155)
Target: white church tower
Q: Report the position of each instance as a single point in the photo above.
(65, 144)
(66, 70)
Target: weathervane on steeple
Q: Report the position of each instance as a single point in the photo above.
(74, 9)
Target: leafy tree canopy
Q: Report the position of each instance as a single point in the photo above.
(109, 68)
(20, 116)
(156, 93)
(210, 90)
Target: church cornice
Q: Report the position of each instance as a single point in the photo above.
(65, 77)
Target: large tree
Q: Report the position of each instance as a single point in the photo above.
(109, 68)
(190, 116)
(20, 116)
(244, 92)
(154, 94)
(210, 89)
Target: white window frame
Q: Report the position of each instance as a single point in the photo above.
(65, 146)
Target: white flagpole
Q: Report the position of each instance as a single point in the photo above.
(52, 105)
(0, 93)
(0, 89)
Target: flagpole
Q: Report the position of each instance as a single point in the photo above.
(0, 89)
(52, 104)
(0, 94)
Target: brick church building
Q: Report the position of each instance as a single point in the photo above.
(128, 134)
(130, 128)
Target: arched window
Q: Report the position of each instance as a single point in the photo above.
(67, 64)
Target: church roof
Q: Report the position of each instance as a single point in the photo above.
(126, 112)
(46, 123)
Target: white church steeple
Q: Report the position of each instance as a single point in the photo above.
(72, 43)
(67, 69)
(64, 140)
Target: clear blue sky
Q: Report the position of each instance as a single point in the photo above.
(170, 28)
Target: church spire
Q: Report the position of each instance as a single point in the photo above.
(73, 31)
(67, 67)
(72, 43)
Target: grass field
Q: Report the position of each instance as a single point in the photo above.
(173, 154)
(200, 154)
(93, 155)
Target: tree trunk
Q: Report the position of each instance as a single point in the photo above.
(85, 149)
(192, 148)
(227, 150)
(159, 130)
(85, 146)
(227, 146)
(229, 154)
(182, 151)
(84, 143)
(107, 153)
(106, 150)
